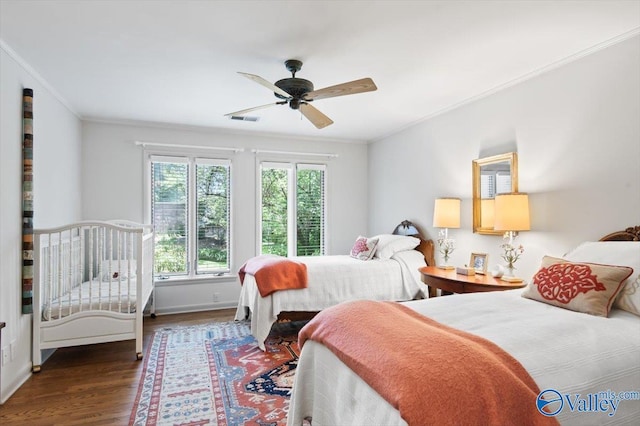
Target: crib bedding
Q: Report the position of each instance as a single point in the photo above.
(331, 280)
(571, 352)
(114, 296)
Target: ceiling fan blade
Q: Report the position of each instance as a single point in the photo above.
(244, 111)
(314, 116)
(350, 88)
(266, 84)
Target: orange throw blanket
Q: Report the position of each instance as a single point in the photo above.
(433, 374)
(273, 273)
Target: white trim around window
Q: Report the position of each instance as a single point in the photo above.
(193, 160)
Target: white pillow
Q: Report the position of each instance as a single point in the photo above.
(389, 244)
(621, 253)
(364, 248)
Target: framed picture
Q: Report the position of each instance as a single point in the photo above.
(479, 262)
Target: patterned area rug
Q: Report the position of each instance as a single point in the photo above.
(215, 374)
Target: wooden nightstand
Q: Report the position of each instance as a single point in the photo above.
(448, 281)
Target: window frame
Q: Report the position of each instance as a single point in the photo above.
(292, 166)
(192, 158)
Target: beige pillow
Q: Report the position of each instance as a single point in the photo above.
(583, 287)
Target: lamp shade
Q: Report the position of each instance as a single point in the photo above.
(487, 213)
(512, 212)
(446, 213)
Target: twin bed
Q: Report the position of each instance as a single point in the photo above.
(586, 367)
(92, 281)
(391, 274)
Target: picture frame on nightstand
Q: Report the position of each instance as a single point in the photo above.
(479, 262)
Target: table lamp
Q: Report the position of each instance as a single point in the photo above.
(511, 214)
(446, 214)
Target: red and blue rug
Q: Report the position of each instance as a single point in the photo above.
(215, 374)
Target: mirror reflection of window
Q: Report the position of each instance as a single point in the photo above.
(487, 186)
(503, 183)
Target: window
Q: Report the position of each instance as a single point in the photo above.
(190, 211)
(292, 209)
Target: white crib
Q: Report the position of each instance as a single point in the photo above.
(92, 281)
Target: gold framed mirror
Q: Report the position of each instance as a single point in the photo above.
(492, 175)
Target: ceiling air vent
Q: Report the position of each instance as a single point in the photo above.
(244, 118)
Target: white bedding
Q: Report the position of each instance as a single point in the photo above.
(117, 296)
(564, 350)
(331, 280)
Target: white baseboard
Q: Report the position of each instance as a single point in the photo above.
(195, 308)
(23, 376)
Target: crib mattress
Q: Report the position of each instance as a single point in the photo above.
(114, 296)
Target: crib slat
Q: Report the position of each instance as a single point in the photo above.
(59, 276)
(91, 260)
(129, 272)
(119, 249)
(70, 274)
(49, 284)
(81, 234)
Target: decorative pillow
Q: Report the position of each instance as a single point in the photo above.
(629, 298)
(389, 244)
(623, 253)
(119, 269)
(583, 287)
(364, 248)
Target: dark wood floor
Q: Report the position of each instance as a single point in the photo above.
(94, 384)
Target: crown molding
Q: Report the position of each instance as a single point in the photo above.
(33, 73)
(513, 82)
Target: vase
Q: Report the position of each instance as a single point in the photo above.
(509, 270)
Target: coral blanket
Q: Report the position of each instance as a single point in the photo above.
(273, 273)
(431, 373)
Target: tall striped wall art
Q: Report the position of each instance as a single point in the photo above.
(27, 201)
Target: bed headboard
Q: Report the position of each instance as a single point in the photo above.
(630, 234)
(425, 247)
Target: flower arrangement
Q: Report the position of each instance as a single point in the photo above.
(447, 245)
(511, 254)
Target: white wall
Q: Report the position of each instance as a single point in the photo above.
(577, 133)
(56, 194)
(113, 189)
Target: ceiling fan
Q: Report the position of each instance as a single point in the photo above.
(299, 93)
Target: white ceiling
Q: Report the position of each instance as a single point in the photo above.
(176, 61)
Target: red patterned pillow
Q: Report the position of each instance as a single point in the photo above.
(583, 287)
(364, 248)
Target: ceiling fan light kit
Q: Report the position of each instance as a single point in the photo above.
(298, 93)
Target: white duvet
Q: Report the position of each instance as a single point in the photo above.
(570, 352)
(331, 280)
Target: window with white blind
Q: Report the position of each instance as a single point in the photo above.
(292, 209)
(190, 212)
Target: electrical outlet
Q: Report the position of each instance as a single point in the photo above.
(12, 350)
(5, 355)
